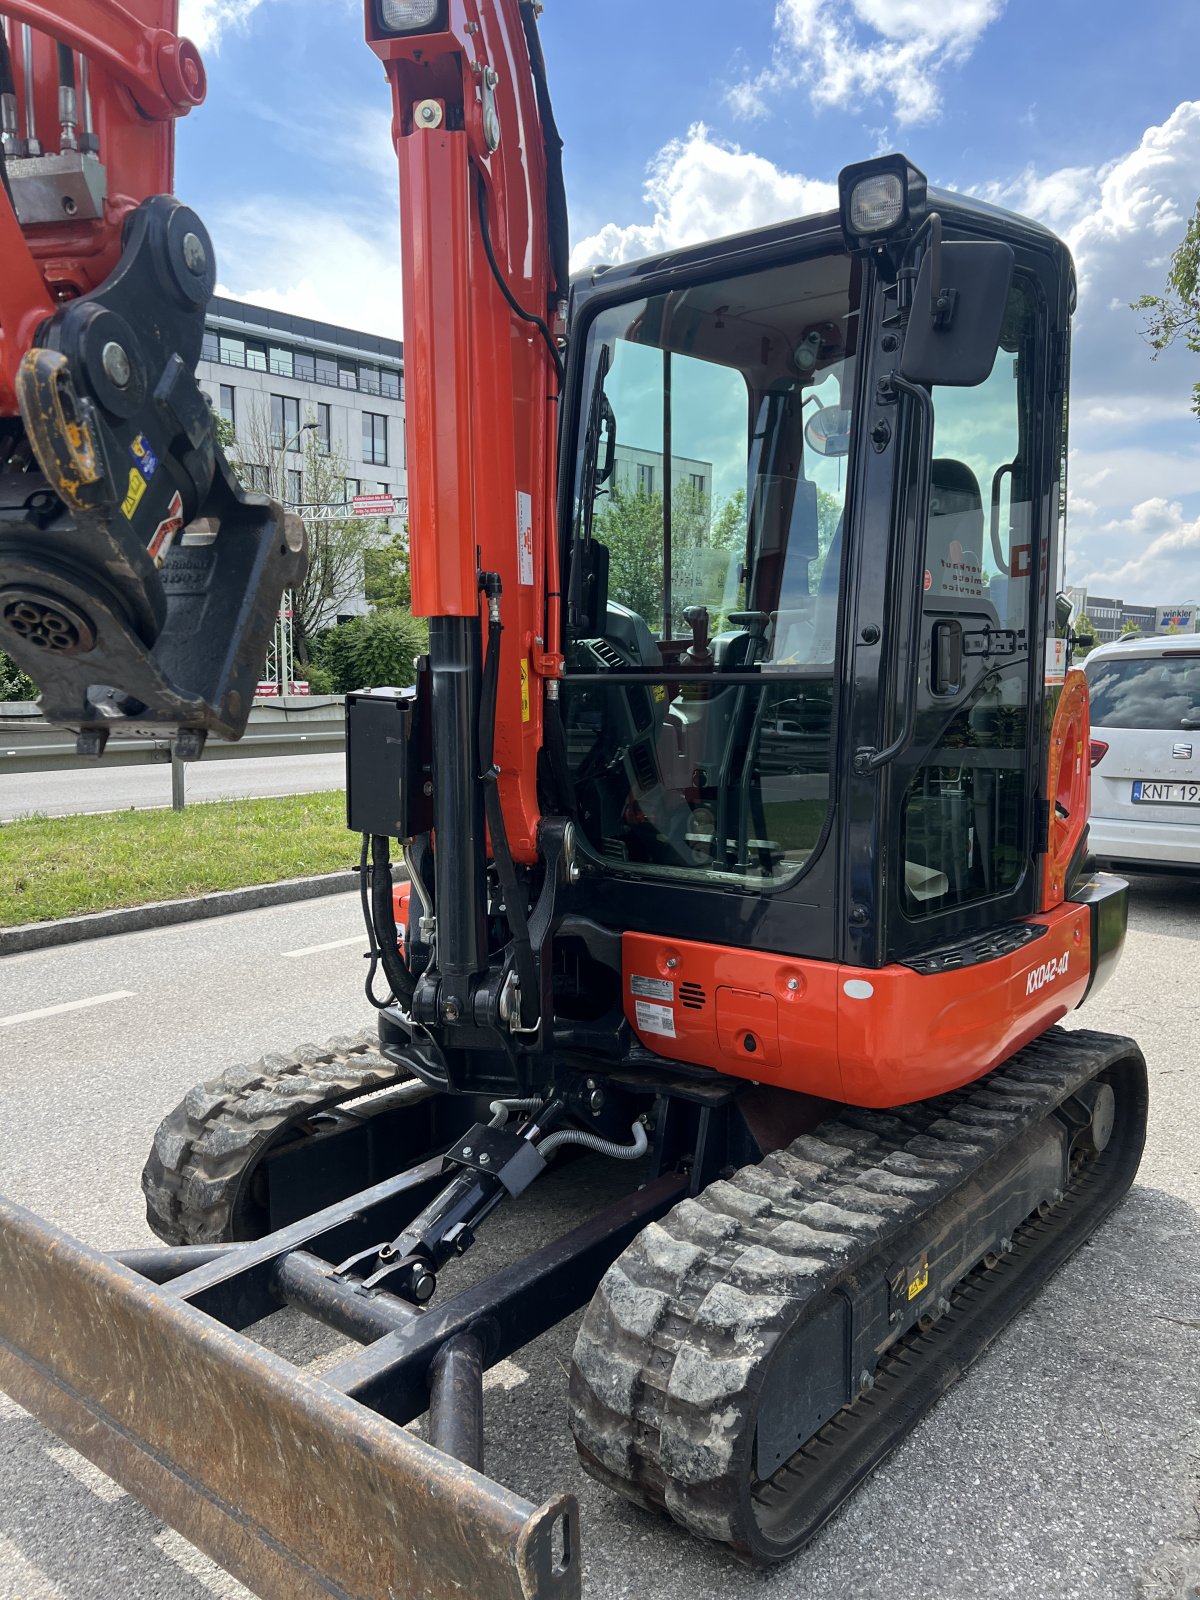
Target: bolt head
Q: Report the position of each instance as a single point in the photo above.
(485, 1160)
(467, 1150)
(115, 361)
(194, 254)
(793, 984)
(672, 963)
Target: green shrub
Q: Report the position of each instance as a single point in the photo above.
(369, 652)
(15, 684)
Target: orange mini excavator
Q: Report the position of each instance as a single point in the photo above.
(742, 797)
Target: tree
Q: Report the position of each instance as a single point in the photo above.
(387, 576)
(1085, 634)
(337, 545)
(15, 684)
(1129, 627)
(368, 652)
(1175, 314)
(630, 525)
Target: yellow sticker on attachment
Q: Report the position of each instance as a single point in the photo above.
(133, 497)
(918, 1277)
(526, 711)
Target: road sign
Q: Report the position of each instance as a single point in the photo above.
(373, 505)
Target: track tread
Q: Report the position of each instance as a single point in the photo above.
(678, 1334)
(204, 1148)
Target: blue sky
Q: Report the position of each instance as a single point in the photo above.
(685, 118)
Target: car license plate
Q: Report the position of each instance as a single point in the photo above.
(1146, 792)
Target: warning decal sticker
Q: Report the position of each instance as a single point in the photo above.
(525, 538)
(164, 534)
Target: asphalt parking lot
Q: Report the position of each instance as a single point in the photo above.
(1066, 1466)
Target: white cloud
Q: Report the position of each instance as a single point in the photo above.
(315, 263)
(1135, 444)
(701, 188)
(1166, 563)
(1134, 440)
(204, 21)
(846, 52)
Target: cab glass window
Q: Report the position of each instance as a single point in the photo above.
(705, 572)
(966, 808)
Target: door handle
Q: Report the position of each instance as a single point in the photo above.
(946, 656)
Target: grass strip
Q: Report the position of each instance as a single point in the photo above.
(65, 866)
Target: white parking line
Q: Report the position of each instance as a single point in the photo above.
(315, 949)
(69, 1005)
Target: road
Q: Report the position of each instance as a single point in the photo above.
(104, 788)
(1065, 1466)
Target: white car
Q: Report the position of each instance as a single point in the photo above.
(1145, 696)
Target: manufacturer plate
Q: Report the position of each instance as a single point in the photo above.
(1146, 792)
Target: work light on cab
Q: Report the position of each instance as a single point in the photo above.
(409, 16)
(880, 200)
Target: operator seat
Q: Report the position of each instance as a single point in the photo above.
(955, 533)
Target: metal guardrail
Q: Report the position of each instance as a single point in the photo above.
(294, 725)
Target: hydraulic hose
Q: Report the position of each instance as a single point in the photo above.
(500, 1110)
(514, 900)
(383, 922)
(593, 1141)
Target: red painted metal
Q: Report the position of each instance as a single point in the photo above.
(142, 76)
(1069, 786)
(480, 383)
(883, 1037)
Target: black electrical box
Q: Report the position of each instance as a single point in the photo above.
(388, 788)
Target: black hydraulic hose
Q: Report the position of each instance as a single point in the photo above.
(556, 186)
(383, 922)
(517, 308)
(372, 943)
(506, 871)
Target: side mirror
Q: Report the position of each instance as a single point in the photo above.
(957, 313)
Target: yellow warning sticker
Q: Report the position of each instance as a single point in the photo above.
(133, 497)
(918, 1277)
(525, 708)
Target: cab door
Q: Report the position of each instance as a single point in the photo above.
(963, 796)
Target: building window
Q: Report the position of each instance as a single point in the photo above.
(374, 438)
(368, 379)
(389, 384)
(280, 361)
(260, 478)
(327, 370)
(228, 405)
(645, 479)
(233, 350)
(285, 422)
(353, 486)
(347, 375)
(295, 487)
(210, 347)
(697, 481)
(383, 488)
(323, 426)
(256, 355)
(303, 366)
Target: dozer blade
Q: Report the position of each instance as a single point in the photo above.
(294, 1488)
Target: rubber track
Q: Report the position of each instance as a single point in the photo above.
(673, 1349)
(205, 1150)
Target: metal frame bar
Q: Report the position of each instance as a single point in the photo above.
(131, 1359)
